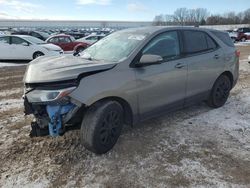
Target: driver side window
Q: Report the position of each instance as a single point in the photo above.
(165, 45)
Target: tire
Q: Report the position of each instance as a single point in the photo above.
(37, 54)
(220, 92)
(102, 126)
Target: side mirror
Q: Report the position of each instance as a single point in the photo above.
(149, 59)
(25, 44)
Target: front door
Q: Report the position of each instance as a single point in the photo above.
(162, 86)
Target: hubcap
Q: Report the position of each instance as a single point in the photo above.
(109, 129)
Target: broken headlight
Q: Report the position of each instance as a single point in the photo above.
(37, 95)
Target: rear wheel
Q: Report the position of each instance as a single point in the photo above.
(101, 126)
(220, 92)
(37, 54)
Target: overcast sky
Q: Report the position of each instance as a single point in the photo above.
(129, 10)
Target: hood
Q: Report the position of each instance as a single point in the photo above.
(61, 68)
(51, 47)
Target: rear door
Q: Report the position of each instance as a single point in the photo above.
(162, 86)
(205, 61)
(5, 48)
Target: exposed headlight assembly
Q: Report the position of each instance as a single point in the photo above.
(37, 96)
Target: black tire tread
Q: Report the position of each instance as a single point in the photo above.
(210, 101)
(90, 121)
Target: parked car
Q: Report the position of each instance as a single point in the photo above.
(24, 47)
(68, 43)
(38, 34)
(127, 77)
(233, 35)
(91, 39)
(241, 34)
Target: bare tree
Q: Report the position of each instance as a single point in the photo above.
(246, 19)
(191, 16)
(181, 16)
(169, 19)
(159, 20)
(201, 14)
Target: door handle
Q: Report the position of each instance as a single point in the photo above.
(179, 65)
(216, 56)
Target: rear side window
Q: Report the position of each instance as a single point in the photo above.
(224, 37)
(197, 41)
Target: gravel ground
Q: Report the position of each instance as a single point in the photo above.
(194, 147)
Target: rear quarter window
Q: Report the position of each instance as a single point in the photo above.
(224, 37)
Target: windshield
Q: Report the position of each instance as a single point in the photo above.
(44, 35)
(33, 40)
(114, 47)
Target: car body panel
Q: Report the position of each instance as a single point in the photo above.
(61, 68)
(148, 90)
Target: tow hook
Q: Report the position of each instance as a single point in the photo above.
(55, 113)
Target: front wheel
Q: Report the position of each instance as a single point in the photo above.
(101, 126)
(220, 92)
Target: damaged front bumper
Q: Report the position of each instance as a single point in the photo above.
(54, 111)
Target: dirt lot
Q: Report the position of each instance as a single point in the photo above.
(194, 147)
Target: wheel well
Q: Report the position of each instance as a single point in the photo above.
(230, 76)
(36, 53)
(79, 46)
(128, 114)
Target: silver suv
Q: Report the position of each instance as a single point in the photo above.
(127, 77)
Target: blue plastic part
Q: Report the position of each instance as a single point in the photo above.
(55, 113)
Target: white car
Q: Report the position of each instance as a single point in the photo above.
(23, 47)
(91, 39)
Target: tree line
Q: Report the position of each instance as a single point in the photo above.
(201, 16)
